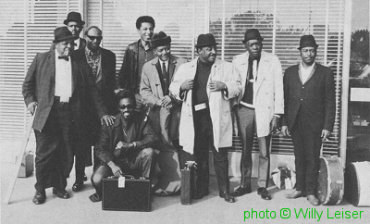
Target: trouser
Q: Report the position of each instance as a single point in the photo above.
(140, 166)
(82, 154)
(246, 120)
(54, 149)
(307, 145)
(203, 143)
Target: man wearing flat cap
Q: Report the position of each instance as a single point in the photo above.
(206, 86)
(309, 115)
(75, 25)
(260, 106)
(58, 85)
(165, 110)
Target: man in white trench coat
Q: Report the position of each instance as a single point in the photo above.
(260, 106)
(205, 85)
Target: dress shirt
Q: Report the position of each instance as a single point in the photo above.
(306, 72)
(63, 78)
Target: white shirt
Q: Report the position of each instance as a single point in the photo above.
(306, 72)
(77, 43)
(63, 78)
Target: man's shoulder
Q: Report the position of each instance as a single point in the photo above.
(107, 53)
(133, 46)
(240, 57)
(323, 68)
(292, 69)
(179, 60)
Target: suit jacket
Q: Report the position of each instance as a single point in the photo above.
(268, 89)
(142, 134)
(128, 74)
(314, 100)
(39, 86)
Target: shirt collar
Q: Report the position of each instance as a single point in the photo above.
(307, 68)
(145, 45)
(91, 53)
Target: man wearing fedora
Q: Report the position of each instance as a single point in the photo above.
(309, 115)
(75, 25)
(136, 55)
(165, 110)
(58, 85)
(206, 86)
(103, 69)
(259, 108)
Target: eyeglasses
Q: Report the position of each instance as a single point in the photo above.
(94, 37)
(122, 107)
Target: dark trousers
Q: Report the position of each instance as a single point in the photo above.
(54, 149)
(246, 120)
(139, 166)
(203, 142)
(82, 154)
(307, 145)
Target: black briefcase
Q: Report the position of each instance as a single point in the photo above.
(188, 182)
(126, 194)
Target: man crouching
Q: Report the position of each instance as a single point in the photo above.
(124, 148)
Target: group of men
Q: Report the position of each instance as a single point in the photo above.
(162, 102)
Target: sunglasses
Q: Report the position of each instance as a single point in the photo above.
(128, 107)
(94, 37)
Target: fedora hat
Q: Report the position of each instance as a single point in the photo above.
(307, 41)
(74, 16)
(205, 40)
(252, 34)
(160, 39)
(62, 34)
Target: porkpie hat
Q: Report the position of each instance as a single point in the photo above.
(307, 41)
(74, 16)
(252, 34)
(160, 39)
(62, 33)
(205, 40)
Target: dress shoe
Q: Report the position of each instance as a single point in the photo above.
(77, 186)
(61, 193)
(227, 196)
(264, 193)
(241, 191)
(313, 200)
(295, 194)
(85, 177)
(39, 197)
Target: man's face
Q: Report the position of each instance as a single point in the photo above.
(93, 39)
(163, 52)
(126, 107)
(208, 54)
(254, 47)
(64, 48)
(74, 28)
(308, 55)
(146, 31)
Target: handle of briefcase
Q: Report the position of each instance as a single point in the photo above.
(126, 176)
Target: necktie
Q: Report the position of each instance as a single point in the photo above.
(165, 77)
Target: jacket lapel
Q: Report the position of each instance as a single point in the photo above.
(172, 65)
(244, 68)
(51, 69)
(75, 74)
(263, 64)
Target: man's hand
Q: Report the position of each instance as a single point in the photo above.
(116, 91)
(285, 130)
(116, 170)
(166, 102)
(325, 134)
(123, 146)
(274, 125)
(107, 120)
(217, 86)
(31, 107)
(187, 85)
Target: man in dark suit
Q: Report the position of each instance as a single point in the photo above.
(136, 55)
(309, 115)
(125, 147)
(75, 25)
(103, 66)
(57, 83)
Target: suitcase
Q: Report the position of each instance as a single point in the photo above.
(358, 183)
(126, 194)
(330, 188)
(26, 168)
(188, 182)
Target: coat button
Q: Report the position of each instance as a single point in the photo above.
(302, 87)
(301, 99)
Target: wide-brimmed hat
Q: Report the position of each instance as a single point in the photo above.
(74, 16)
(62, 34)
(160, 39)
(252, 34)
(205, 40)
(307, 41)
